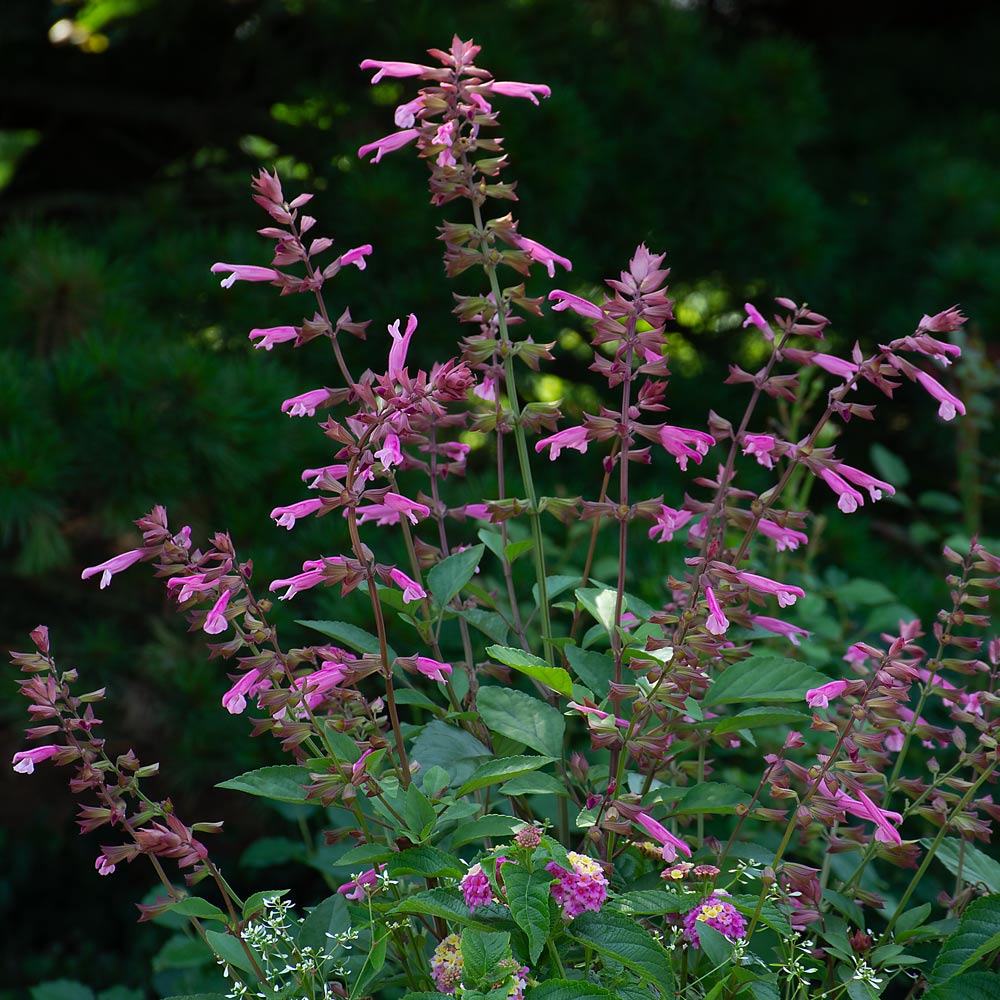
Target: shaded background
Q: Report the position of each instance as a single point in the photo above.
(845, 154)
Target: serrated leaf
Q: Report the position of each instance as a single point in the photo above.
(446, 578)
(489, 623)
(569, 989)
(596, 670)
(495, 771)
(534, 667)
(620, 937)
(491, 825)
(349, 635)
(449, 904)
(521, 717)
(453, 749)
(426, 861)
(716, 946)
(536, 783)
(282, 782)
(764, 679)
(528, 899)
(482, 952)
(978, 934)
(754, 718)
(712, 797)
(975, 865)
(968, 986)
(650, 902)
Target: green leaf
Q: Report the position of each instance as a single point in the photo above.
(495, 771)
(620, 937)
(446, 578)
(374, 961)
(913, 918)
(978, 935)
(536, 783)
(649, 902)
(712, 797)
(534, 667)
(568, 989)
(489, 623)
(231, 951)
(596, 670)
(349, 635)
(600, 603)
(61, 989)
(449, 904)
(528, 899)
(448, 747)
(182, 952)
(328, 917)
(269, 851)
(890, 466)
(754, 718)
(515, 549)
(426, 861)
(717, 947)
(766, 679)
(418, 813)
(968, 986)
(258, 899)
(482, 952)
(283, 782)
(521, 717)
(195, 906)
(491, 825)
(975, 865)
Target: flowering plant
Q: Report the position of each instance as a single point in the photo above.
(538, 793)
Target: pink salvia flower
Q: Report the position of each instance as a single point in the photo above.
(103, 866)
(656, 830)
(950, 405)
(390, 453)
(875, 487)
(269, 336)
(486, 390)
(598, 714)
(400, 345)
(285, 517)
(215, 621)
(338, 471)
(356, 256)
(848, 498)
(883, 819)
(684, 443)
(668, 521)
(819, 697)
(542, 255)
(835, 366)
(944, 322)
(717, 622)
(511, 89)
(778, 627)
(412, 591)
(410, 509)
(360, 768)
(190, 585)
(244, 272)
(304, 405)
(406, 114)
(785, 592)
(434, 669)
(388, 144)
(394, 68)
(785, 539)
(234, 701)
(754, 317)
(108, 568)
(315, 685)
(362, 886)
(566, 300)
(24, 762)
(573, 437)
(760, 446)
(311, 575)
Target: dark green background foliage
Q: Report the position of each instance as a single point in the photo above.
(845, 155)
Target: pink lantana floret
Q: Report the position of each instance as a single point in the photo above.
(585, 887)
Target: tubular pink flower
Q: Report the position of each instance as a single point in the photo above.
(304, 405)
(785, 592)
(944, 322)
(244, 272)
(406, 114)
(950, 405)
(835, 366)
(882, 818)
(315, 685)
(671, 844)
(596, 713)
(480, 511)
(360, 768)
(269, 336)
(364, 885)
(338, 471)
(778, 627)
(311, 575)
(394, 68)
(411, 509)
(848, 498)
(24, 762)
(785, 539)
(760, 446)
(528, 90)
(388, 144)
(875, 487)
(572, 437)
(684, 443)
(234, 701)
(356, 256)
(566, 300)
(103, 866)
(434, 669)
(668, 521)
(400, 345)
(108, 568)
(542, 255)
(390, 453)
(819, 697)
(190, 585)
(285, 517)
(717, 623)
(215, 621)
(754, 317)
(487, 389)
(412, 591)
